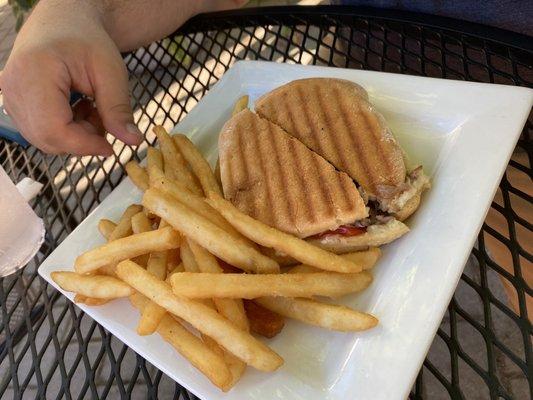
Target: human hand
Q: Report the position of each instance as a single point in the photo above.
(53, 56)
(72, 45)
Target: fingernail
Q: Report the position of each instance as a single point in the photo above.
(132, 128)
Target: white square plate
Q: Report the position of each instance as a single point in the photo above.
(462, 133)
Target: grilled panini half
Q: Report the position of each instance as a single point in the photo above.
(334, 118)
(274, 178)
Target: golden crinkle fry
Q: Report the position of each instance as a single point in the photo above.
(189, 258)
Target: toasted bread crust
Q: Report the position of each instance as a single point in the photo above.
(334, 118)
(409, 208)
(375, 236)
(274, 178)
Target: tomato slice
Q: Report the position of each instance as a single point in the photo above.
(344, 230)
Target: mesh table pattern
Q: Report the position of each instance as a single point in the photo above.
(50, 349)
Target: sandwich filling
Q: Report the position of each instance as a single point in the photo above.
(386, 210)
(415, 183)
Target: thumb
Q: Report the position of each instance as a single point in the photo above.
(110, 80)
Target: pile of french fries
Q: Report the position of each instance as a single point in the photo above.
(192, 264)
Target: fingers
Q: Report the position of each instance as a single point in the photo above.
(36, 87)
(110, 81)
(46, 120)
(82, 138)
(84, 110)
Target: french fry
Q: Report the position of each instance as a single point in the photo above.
(247, 286)
(97, 286)
(140, 223)
(155, 173)
(212, 365)
(205, 260)
(212, 237)
(151, 317)
(197, 204)
(150, 215)
(175, 165)
(232, 309)
(198, 163)
(281, 241)
(367, 259)
(137, 174)
(127, 247)
(153, 313)
(106, 227)
(157, 264)
(240, 104)
(236, 367)
(174, 260)
(204, 319)
(303, 269)
(187, 258)
(154, 161)
(213, 346)
(217, 172)
(90, 301)
(123, 228)
(178, 268)
(331, 316)
(263, 321)
(108, 270)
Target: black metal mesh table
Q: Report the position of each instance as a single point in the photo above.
(50, 349)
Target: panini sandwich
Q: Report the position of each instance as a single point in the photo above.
(273, 175)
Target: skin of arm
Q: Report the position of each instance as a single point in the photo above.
(75, 45)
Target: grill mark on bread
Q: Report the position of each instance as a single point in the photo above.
(343, 194)
(286, 109)
(325, 119)
(361, 161)
(325, 193)
(310, 211)
(242, 157)
(226, 173)
(288, 204)
(377, 142)
(346, 183)
(292, 117)
(255, 127)
(307, 123)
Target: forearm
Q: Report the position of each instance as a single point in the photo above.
(129, 23)
(135, 23)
